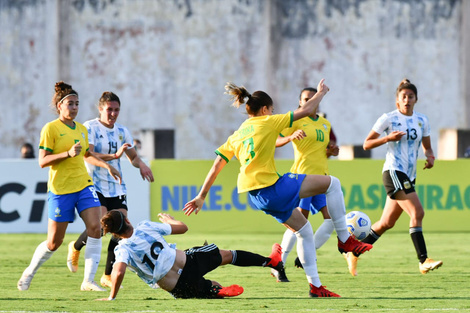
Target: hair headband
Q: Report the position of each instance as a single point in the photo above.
(122, 222)
(70, 94)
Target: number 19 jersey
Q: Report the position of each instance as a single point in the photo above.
(146, 252)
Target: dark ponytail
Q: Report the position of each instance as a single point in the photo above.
(255, 101)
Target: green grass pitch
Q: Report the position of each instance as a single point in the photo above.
(388, 281)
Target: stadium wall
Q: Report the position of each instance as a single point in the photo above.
(169, 60)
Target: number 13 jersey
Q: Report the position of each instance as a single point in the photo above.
(403, 154)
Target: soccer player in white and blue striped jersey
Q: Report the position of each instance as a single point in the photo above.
(109, 140)
(145, 252)
(405, 132)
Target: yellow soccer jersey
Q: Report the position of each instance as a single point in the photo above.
(253, 144)
(68, 175)
(310, 152)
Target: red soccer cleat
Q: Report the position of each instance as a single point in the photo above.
(321, 292)
(353, 245)
(230, 291)
(276, 258)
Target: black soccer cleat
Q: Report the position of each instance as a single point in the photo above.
(297, 263)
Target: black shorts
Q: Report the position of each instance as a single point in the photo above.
(113, 203)
(199, 262)
(395, 181)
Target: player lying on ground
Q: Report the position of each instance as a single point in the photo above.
(159, 264)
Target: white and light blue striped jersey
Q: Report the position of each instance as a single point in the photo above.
(146, 252)
(108, 141)
(403, 154)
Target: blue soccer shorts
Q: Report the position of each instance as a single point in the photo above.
(313, 204)
(280, 199)
(62, 207)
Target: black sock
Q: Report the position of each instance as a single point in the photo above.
(245, 258)
(111, 257)
(417, 237)
(372, 237)
(81, 241)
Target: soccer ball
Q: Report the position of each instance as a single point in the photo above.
(358, 224)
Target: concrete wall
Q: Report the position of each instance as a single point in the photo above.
(169, 60)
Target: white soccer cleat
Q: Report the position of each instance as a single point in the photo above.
(72, 257)
(106, 281)
(429, 265)
(25, 282)
(91, 286)
(352, 262)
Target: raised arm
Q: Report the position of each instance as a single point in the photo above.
(312, 104)
(196, 204)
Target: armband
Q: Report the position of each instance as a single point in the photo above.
(115, 156)
(68, 154)
(431, 156)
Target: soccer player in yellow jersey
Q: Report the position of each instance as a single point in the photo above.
(63, 147)
(253, 144)
(310, 137)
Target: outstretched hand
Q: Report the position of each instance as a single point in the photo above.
(194, 205)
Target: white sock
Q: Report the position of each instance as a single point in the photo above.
(92, 258)
(336, 208)
(323, 233)
(307, 254)
(288, 241)
(41, 255)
